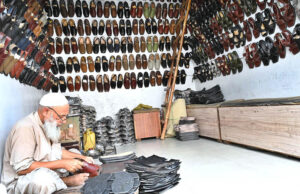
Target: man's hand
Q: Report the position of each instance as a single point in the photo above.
(76, 180)
(72, 165)
(88, 159)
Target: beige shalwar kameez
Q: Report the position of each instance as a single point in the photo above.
(26, 144)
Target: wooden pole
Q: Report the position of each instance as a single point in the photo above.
(175, 73)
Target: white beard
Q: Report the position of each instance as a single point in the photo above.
(52, 131)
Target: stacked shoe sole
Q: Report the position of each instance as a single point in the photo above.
(101, 129)
(187, 129)
(126, 126)
(117, 158)
(88, 116)
(156, 173)
(119, 182)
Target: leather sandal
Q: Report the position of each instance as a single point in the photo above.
(280, 47)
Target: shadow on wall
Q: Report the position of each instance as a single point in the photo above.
(17, 101)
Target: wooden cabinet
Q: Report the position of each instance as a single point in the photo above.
(273, 128)
(207, 119)
(147, 123)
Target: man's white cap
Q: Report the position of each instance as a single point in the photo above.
(53, 99)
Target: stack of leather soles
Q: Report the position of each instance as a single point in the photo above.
(156, 173)
(187, 129)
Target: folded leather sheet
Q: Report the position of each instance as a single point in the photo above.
(156, 173)
(119, 182)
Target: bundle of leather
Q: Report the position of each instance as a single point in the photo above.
(156, 173)
(117, 157)
(210, 96)
(187, 129)
(119, 182)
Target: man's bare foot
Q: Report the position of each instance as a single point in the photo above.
(76, 180)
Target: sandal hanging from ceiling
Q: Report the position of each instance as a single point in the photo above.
(247, 30)
(264, 52)
(278, 17)
(289, 42)
(231, 63)
(280, 47)
(288, 12)
(274, 56)
(269, 21)
(238, 61)
(255, 28)
(260, 24)
(296, 5)
(261, 4)
(296, 35)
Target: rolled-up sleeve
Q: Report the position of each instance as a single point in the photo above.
(22, 148)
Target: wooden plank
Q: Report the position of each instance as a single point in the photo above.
(207, 119)
(273, 128)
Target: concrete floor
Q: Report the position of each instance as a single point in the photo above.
(209, 167)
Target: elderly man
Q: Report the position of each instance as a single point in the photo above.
(33, 155)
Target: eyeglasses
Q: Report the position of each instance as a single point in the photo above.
(62, 118)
